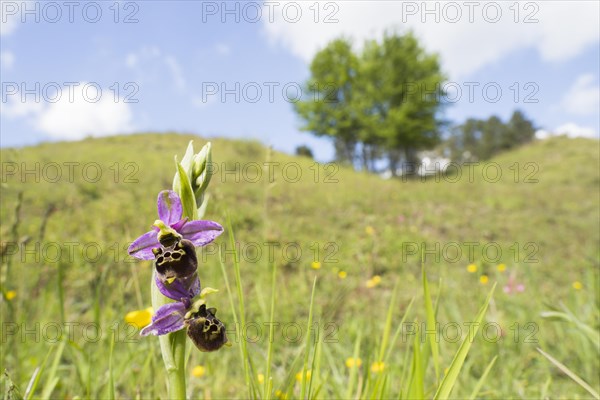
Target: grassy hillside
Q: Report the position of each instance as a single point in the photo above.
(71, 265)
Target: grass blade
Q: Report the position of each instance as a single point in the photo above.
(308, 336)
(242, 318)
(52, 379)
(431, 329)
(11, 391)
(111, 377)
(445, 388)
(416, 385)
(268, 380)
(353, 371)
(388, 323)
(35, 378)
(570, 374)
(482, 379)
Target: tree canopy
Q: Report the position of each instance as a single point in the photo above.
(479, 139)
(381, 103)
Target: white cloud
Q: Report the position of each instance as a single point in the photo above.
(583, 98)
(562, 30)
(131, 60)
(15, 108)
(79, 118)
(176, 72)
(75, 117)
(10, 16)
(222, 49)
(570, 129)
(7, 59)
(149, 62)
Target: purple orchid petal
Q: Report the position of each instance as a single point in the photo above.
(201, 233)
(181, 288)
(179, 224)
(169, 207)
(168, 318)
(142, 247)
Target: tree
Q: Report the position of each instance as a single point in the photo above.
(329, 111)
(403, 97)
(482, 139)
(520, 130)
(383, 103)
(304, 151)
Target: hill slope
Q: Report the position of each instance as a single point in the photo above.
(542, 215)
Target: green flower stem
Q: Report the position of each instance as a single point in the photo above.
(172, 347)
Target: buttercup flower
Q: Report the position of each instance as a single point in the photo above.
(170, 211)
(577, 285)
(198, 371)
(374, 281)
(139, 318)
(472, 268)
(353, 362)
(299, 376)
(280, 395)
(377, 366)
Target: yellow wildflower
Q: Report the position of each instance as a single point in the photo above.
(353, 362)
(299, 376)
(501, 267)
(261, 378)
(342, 274)
(280, 395)
(377, 366)
(483, 279)
(472, 268)
(369, 230)
(315, 265)
(198, 371)
(374, 281)
(577, 285)
(11, 294)
(139, 318)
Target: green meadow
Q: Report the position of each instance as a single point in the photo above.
(332, 283)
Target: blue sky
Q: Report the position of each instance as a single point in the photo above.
(180, 55)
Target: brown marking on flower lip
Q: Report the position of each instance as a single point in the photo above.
(205, 330)
(177, 261)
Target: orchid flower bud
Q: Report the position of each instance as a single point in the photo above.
(192, 178)
(201, 172)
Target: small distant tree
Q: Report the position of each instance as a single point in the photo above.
(304, 151)
(519, 131)
(482, 139)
